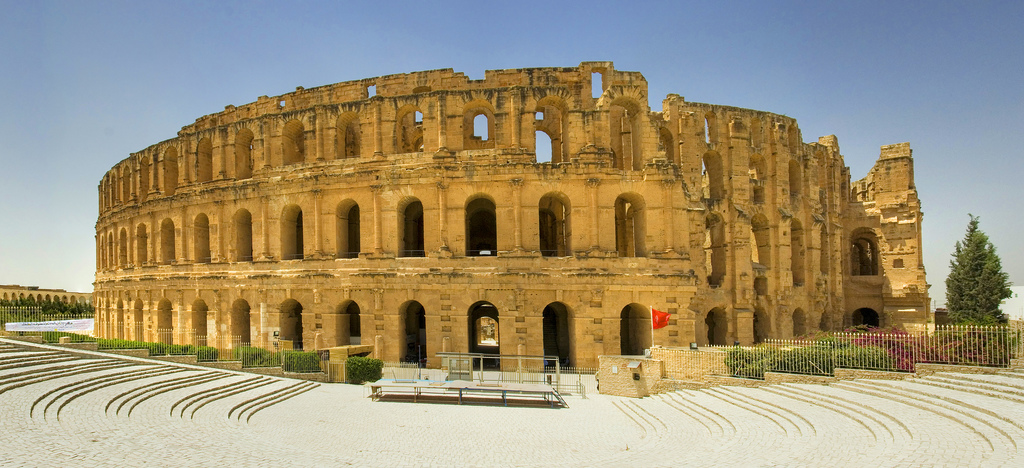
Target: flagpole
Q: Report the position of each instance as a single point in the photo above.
(652, 326)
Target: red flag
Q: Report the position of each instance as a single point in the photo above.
(659, 319)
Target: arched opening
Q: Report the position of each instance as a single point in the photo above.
(347, 229)
(758, 173)
(795, 178)
(346, 326)
(137, 325)
(291, 323)
(122, 249)
(243, 235)
(557, 333)
(634, 330)
(199, 310)
(201, 238)
(141, 244)
(667, 145)
(204, 161)
(864, 253)
(293, 143)
(551, 129)
(291, 233)
(110, 251)
(544, 146)
(797, 252)
(414, 319)
(715, 249)
(347, 136)
(630, 226)
(761, 253)
(243, 154)
(553, 225)
(756, 133)
(478, 127)
(483, 329)
(117, 328)
(170, 170)
(762, 325)
(410, 224)
(716, 327)
(143, 190)
(624, 123)
(241, 328)
(164, 322)
(713, 182)
(126, 184)
(865, 316)
(710, 129)
(167, 255)
(799, 323)
(409, 131)
(481, 228)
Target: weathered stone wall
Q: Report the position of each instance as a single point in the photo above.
(10, 292)
(413, 212)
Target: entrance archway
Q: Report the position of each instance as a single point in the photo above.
(865, 316)
(634, 330)
(483, 329)
(291, 323)
(556, 332)
(199, 310)
(717, 327)
(799, 323)
(240, 326)
(414, 337)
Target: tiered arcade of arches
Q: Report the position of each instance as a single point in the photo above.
(425, 214)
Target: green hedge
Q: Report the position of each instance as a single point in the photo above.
(301, 361)
(256, 357)
(363, 369)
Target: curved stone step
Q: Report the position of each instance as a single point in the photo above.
(64, 372)
(203, 378)
(251, 387)
(779, 421)
(80, 386)
(749, 394)
(702, 420)
(831, 407)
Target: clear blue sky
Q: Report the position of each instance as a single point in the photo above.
(84, 84)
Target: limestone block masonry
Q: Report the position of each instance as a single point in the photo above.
(536, 211)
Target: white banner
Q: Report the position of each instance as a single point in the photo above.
(52, 325)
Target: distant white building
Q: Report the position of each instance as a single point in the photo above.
(1014, 306)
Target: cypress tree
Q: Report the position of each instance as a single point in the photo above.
(976, 284)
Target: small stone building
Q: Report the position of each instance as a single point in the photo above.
(536, 211)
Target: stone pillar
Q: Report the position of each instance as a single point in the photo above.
(517, 213)
(442, 125)
(317, 237)
(264, 335)
(595, 237)
(442, 212)
(669, 215)
(515, 111)
(264, 228)
(378, 346)
(377, 234)
(378, 139)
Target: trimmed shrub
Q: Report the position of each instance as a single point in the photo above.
(301, 361)
(363, 369)
(206, 353)
(256, 357)
(864, 357)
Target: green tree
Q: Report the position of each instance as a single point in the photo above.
(976, 284)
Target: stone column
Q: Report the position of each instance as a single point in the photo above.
(595, 237)
(264, 228)
(669, 216)
(515, 111)
(317, 237)
(442, 125)
(442, 214)
(517, 213)
(378, 138)
(377, 234)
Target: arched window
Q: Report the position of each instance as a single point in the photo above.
(864, 253)
(758, 173)
(797, 252)
(243, 235)
(551, 126)
(667, 145)
(126, 183)
(545, 146)
(293, 143)
(553, 225)
(201, 238)
(204, 161)
(710, 129)
(714, 249)
(243, 154)
(240, 323)
(347, 136)
(122, 249)
(557, 335)
(410, 224)
(164, 322)
(713, 182)
(865, 316)
(478, 127)
(291, 233)
(347, 230)
(144, 169)
(291, 323)
(414, 318)
(167, 254)
(625, 125)
(795, 178)
(137, 325)
(761, 250)
(481, 228)
(630, 226)
(716, 328)
(409, 129)
(170, 170)
(634, 330)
